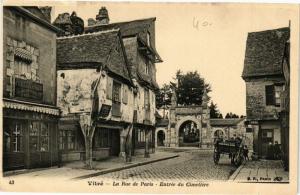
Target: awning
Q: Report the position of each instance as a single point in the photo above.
(23, 54)
(28, 106)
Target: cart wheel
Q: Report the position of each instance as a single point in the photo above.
(216, 157)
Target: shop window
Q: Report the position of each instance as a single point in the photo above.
(61, 140)
(67, 140)
(44, 146)
(71, 140)
(33, 136)
(102, 138)
(12, 137)
(16, 138)
(141, 135)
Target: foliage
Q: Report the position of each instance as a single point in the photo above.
(231, 115)
(190, 88)
(214, 111)
(163, 96)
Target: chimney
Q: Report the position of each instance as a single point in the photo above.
(102, 18)
(47, 12)
(91, 22)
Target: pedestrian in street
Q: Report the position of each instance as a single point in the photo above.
(245, 152)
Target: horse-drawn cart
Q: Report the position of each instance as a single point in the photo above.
(233, 148)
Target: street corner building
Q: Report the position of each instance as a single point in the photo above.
(106, 74)
(266, 73)
(30, 115)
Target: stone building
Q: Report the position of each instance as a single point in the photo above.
(117, 62)
(266, 68)
(138, 37)
(30, 114)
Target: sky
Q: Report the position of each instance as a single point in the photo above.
(209, 38)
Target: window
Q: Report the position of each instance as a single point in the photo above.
(13, 136)
(116, 92)
(116, 99)
(16, 138)
(147, 100)
(22, 69)
(273, 94)
(141, 135)
(71, 140)
(33, 136)
(270, 95)
(102, 138)
(44, 139)
(278, 91)
(67, 140)
(125, 94)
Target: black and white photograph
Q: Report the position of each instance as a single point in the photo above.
(149, 97)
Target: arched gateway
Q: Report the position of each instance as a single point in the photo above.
(188, 130)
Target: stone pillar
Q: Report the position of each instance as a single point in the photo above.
(147, 155)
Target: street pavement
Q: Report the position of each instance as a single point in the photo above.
(190, 165)
(262, 171)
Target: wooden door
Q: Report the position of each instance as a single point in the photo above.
(267, 136)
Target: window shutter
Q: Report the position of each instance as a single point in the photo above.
(125, 94)
(270, 95)
(109, 88)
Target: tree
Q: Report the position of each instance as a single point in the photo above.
(231, 115)
(190, 88)
(163, 96)
(214, 111)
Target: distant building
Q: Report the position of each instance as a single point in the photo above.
(30, 114)
(266, 73)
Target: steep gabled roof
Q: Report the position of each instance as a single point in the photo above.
(265, 52)
(92, 50)
(127, 28)
(225, 122)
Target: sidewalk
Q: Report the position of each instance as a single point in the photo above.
(76, 170)
(261, 171)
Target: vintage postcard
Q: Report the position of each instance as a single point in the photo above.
(121, 97)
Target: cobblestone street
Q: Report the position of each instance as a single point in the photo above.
(190, 165)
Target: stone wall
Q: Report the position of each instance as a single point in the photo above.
(256, 99)
(40, 42)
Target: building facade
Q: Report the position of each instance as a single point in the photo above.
(104, 71)
(30, 114)
(266, 59)
(138, 37)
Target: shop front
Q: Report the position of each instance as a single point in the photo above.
(29, 135)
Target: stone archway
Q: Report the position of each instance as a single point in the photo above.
(160, 137)
(218, 133)
(197, 132)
